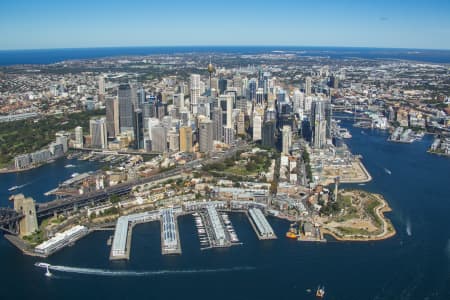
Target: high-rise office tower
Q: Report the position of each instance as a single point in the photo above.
(195, 91)
(217, 124)
(298, 99)
(138, 129)
(257, 127)
(98, 133)
(205, 135)
(328, 117)
(308, 86)
(223, 85)
(174, 140)
(252, 86)
(112, 116)
(125, 108)
(140, 96)
(318, 124)
(101, 85)
(260, 96)
(281, 96)
(268, 134)
(178, 100)
(241, 123)
(159, 139)
(186, 139)
(286, 139)
(228, 135)
(226, 104)
(78, 137)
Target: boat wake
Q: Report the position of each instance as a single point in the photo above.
(112, 273)
(387, 171)
(408, 228)
(16, 187)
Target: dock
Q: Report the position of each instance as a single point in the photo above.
(260, 224)
(170, 237)
(121, 244)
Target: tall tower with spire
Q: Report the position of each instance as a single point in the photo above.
(210, 71)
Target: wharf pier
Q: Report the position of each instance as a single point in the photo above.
(170, 236)
(121, 244)
(260, 224)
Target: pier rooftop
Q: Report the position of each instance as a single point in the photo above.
(122, 236)
(170, 242)
(263, 228)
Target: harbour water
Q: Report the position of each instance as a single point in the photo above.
(415, 264)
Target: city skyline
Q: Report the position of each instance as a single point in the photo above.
(95, 24)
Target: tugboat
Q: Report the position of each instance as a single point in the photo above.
(320, 293)
(292, 233)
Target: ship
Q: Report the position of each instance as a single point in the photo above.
(320, 293)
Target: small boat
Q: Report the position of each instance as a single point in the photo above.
(13, 188)
(16, 187)
(387, 171)
(74, 175)
(69, 166)
(46, 266)
(320, 293)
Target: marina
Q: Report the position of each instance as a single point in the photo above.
(212, 222)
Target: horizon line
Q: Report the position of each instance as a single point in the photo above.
(229, 46)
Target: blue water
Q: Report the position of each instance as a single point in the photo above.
(415, 266)
(38, 181)
(47, 56)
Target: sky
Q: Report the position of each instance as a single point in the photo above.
(43, 24)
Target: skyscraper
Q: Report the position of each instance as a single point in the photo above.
(174, 140)
(205, 135)
(112, 116)
(125, 108)
(226, 104)
(241, 123)
(78, 137)
(195, 92)
(260, 96)
(228, 135)
(101, 85)
(138, 129)
(268, 134)
(328, 117)
(318, 124)
(98, 133)
(252, 85)
(286, 139)
(186, 139)
(178, 100)
(308, 86)
(217, 124)
(257, 127)
(159, 139)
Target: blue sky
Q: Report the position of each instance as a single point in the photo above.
(35, 24)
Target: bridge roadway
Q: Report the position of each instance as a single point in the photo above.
(9, 216)
(8, 219)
